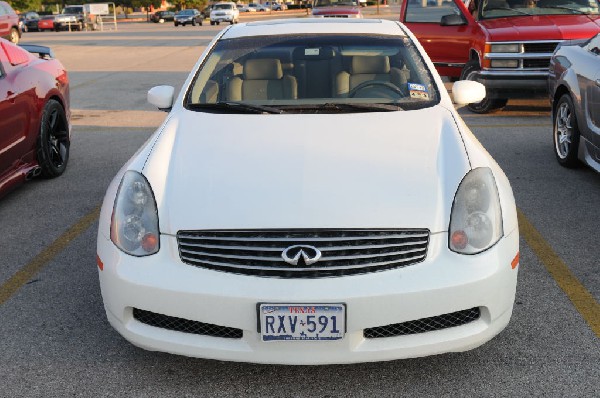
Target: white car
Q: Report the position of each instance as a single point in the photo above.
(224, 12)
(312, 197)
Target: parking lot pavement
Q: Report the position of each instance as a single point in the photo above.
(54, 337)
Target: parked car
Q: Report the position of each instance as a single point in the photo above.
(46, 22)
(79, 12)
(504, 45)
(275, 6)
(224, 12)
(345, 214)
(9, 23)
(67, 22)
(206, 12)
(336, 9)
(34, 115)
(245, 8)
(30, 21)
(163, 16)
(189, 16)
(574, 86)
(257, 7)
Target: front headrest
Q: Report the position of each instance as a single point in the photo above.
(366, 64)
(263, 69)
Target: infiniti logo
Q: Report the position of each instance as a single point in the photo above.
(301, 254)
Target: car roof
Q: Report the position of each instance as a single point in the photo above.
(314, 26)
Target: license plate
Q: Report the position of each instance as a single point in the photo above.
(291, 322)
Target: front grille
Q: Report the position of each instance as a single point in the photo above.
(424, 325)
(540, 47)
(536, 63)
(344, 252)
(185, 325)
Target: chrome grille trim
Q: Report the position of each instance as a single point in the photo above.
(345, 252)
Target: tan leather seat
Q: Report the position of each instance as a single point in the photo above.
(366, 68)
(262, 79)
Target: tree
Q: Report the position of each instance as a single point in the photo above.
(26, 5)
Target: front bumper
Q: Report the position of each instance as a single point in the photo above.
(444, 283)
(500, 84)
(221, 18)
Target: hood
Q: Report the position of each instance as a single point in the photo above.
(369, 170)
(542, 27)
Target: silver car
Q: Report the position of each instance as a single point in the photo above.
(574, 87)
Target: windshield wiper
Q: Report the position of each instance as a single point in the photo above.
(576, 11)
(237, 106)
(506, 9)
(361, 106)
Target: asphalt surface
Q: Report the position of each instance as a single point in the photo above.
(54, 337)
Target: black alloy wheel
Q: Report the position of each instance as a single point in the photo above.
(53, 141)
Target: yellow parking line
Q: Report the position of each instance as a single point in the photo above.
(582, 299)
(26, 273)
(489, 126)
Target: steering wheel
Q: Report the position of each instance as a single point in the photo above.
(375, 83)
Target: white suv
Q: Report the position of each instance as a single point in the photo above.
(224, 12)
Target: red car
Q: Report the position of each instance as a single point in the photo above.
(336, 9)
(504, 44)
(35, 129)
(46, 23)
(9, 23)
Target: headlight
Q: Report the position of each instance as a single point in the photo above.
(134, 223)
(506, 48)
(476, 218)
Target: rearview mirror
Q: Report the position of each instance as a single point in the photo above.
(467, 92)
(161, 97)
(453, 20)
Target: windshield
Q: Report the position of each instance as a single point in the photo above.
(186, 12)
(73, 10)
(222, 7)
(510, 8)
(320, 72)
(332, 3)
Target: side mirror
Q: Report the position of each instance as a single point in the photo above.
(453, 20)
(467, 92)
(161, 97)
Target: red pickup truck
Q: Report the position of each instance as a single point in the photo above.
(504, 44)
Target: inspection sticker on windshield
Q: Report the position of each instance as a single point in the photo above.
(311, 51)
(289, 322)
(418, 91)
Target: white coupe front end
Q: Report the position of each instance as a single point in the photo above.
(345, 214)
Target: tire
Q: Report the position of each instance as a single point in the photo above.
(212, 22)
(14, 36)
(487, 105)
(193, 22)
(53, 140)
(175, 23)
(566, 132)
